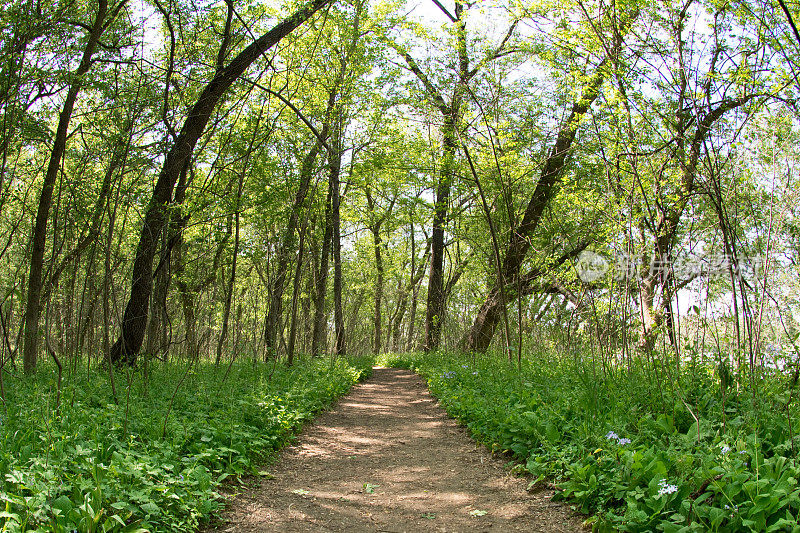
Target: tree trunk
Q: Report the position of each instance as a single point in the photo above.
(377, 245)
(237, 221)
(231, 283)
(134, 320)
(156, 327)
(321, 289)
(305, 303)
(412, 288)
(274, 313)
(436, 305)
(39, 236)
(451, 113)
(659, 275)
(274, 317)
(376, 239)
(338, 311)
(298, 272)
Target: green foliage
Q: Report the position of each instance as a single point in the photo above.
(99, 466)
(622, 444)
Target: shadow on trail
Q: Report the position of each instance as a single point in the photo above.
(388, 459)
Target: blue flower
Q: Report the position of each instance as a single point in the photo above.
(475, 373)
(448, 375)
(622, 441)
(725, 449)
(666, 488)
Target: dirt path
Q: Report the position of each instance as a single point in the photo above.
(388, 459)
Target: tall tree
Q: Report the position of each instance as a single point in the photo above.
(480, 334)
(320, 331)
(134, 320)
(101, 22)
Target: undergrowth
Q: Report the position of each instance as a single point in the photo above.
(637, 448)
(154, 459)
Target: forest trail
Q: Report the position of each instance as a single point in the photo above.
(387, 458)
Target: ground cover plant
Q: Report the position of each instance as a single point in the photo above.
(154, 459)
(639, 447)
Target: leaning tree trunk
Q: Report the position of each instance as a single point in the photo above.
(134, 320)
(39, 236)
(490, 312)
(656, 280)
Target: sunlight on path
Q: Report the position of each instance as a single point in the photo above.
(387, 459)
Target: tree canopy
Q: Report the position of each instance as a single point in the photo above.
(182, 179)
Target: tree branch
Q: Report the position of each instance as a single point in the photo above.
(430, 89)
(497, 53)
(445, 11)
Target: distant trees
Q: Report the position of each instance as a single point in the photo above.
(448, 98)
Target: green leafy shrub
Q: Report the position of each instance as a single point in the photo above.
(98, 466)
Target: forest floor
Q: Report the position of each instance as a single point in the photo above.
(387, 458)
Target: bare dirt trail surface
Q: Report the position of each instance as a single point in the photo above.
(387, 458)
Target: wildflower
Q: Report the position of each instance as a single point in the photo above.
(475, 373)
(448, 375)
(725, 449)
(622, 441)
(666, 488)
(743, 451)
(464, 366)
(180, 477)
